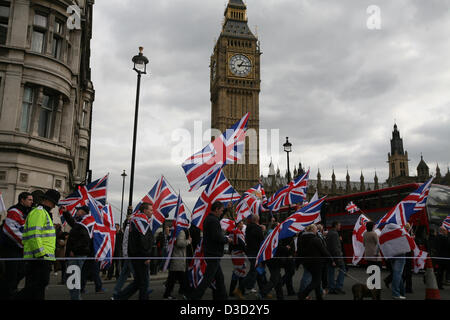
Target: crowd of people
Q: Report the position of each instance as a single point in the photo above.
(29, 232)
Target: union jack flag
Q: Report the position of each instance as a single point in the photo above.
(197, 266)
(291, 226)
(351, 207)
(395, 240)
(413, 203)
(140, 222)
(293, 193)
(163, 200)
(180, 223)
(219, 189)
(299, 220)
(96, 189)
(252, 202)
(88, 222)
(13, 226)
(104, 232)
(446, 223)
(226, 149)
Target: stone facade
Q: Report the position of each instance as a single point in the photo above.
(235, 88)
(46, 95)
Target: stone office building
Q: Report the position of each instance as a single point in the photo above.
(46, 95)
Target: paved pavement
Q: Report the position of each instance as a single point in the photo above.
(56, 291)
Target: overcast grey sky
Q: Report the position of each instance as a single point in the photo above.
(330, 83)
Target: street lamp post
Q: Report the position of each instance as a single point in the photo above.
(288, 148)
(140, 66)
(123, 188)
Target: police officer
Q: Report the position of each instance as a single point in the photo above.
(39, 242)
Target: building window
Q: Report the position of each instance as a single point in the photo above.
(46, 115)
(23, 177)
(84, 115)
(58, 184)
(2, 175)
(27, 107)
(57, 41)
(39, 32)
(4, 21)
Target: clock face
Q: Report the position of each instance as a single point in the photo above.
(240, 65)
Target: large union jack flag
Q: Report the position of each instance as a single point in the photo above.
(295, 223)
(180, 223)
(293, 193)
(413, 203)
(13, 226)
(197, 266)
(104, 232)
(88, 222)
(96, 189)
(219, 189)
(163, 200)
(252, 202)
(226, 149)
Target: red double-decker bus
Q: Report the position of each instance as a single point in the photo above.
(376, 203)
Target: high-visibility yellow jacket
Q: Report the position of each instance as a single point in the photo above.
(39, 237)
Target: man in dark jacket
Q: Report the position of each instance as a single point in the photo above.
(334, 246)
(11, 245)
(79, 241)
(140, 243)
(254, 237)
(313, 251)
(213, 241)
(442, 251)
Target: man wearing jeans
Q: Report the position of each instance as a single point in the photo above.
(334, 246)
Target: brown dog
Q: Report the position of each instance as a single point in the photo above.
(360, 291)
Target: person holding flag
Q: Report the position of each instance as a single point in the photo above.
(140, 241)
(371, 245)
(176, 262)
(80, 239)
(11, 244)
(214, 241)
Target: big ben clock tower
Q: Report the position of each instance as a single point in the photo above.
(235, 87)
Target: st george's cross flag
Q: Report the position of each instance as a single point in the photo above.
(413, 203)
(163, 200)
(219, 189)
(226, 149)
(358, 240)
(395, 241)
(351, 207)
(97, 190)
(293, 193)
(227, 225)
(295, 223)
